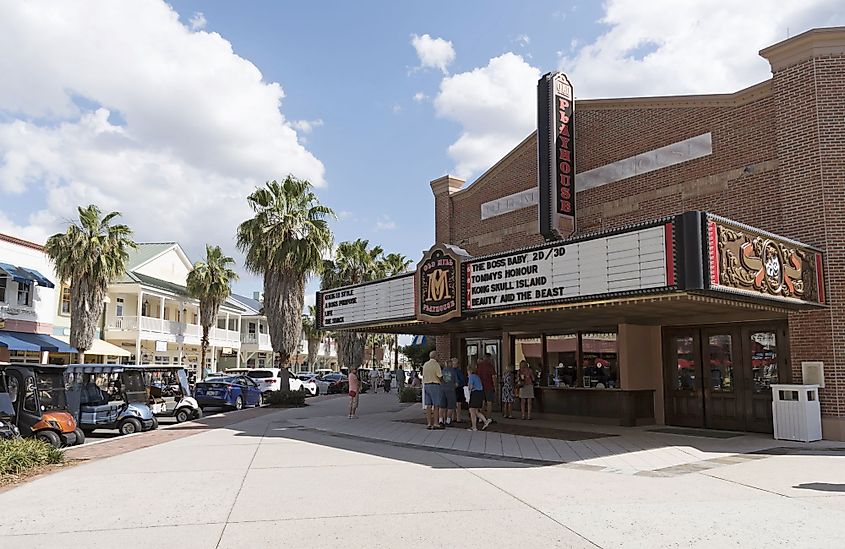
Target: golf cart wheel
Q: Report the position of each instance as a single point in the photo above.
(155, 424)
(239, 403)
(80, 436)
(182, 416)
(129, 426)
(50, 438)
(87, 431)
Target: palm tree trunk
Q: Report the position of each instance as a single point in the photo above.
(203, 352)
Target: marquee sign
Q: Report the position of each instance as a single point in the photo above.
(556, 155)
(437, 285)
(752, 262)
(631, 261)
(381, 301)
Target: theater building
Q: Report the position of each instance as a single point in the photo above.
(659, 260)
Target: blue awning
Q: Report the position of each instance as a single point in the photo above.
(23, 275)
(11, 342)
(20, 341)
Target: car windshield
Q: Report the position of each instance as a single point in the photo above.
(51, 391)
(223, 379)
(259, 374)
(333, 377)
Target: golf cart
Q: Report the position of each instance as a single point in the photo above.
(170, 395)
(109, 396)
(38, 397)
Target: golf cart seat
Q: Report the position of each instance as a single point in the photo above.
(93, 400)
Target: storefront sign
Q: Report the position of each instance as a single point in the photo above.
(556, 155)
(437, 288)
(624, 262)
(749, 261)
(385, 300)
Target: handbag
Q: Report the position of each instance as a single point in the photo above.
(353, 393)
(466, 393)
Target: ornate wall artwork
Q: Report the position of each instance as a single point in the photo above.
(763, 264)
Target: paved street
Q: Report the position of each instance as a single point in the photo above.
(313, 478)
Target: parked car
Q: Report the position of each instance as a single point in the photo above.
(320, 386)
(109, 396)
(337, 383)
(233, 392)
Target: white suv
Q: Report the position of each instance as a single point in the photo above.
(268, 379)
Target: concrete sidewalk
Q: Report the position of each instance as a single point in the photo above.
(303, 478)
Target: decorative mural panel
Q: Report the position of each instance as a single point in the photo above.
(746, 260)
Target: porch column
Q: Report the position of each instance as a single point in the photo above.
(161, 314)
(213, 359)
(138, 328)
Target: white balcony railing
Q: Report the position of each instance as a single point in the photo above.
(159, 326)
(262, 340)
(225, 336)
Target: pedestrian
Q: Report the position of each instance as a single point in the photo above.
(432, 376)
(448, 401)
(476, 400)
(375, 380)
(507, 392)
(354, 391)
(400, 379)
(460, 398)
(489, 380)
(415, 380)
(525, 381)
(388, 378)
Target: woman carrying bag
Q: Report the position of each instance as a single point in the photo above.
(525, 382)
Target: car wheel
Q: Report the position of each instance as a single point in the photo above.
(80, 436)
(182, 416)
(50, 437)
(239, 403)
(155, 424)
(129, 426)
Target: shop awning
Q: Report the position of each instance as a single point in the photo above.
(10, 341)
(102, 348)
(44, 342)
(24, 275)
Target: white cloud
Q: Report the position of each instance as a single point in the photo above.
(197, 21)
(523, 40)
(419, 97)
(396, 108)
(180, 131)
(665, 47)
(307, 126)
(434, 53)
(496, 105)
(384, 223)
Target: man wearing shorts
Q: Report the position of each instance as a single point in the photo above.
(432, 376)
(488, 380)
(448, 400)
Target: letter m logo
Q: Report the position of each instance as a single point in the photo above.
(438, 285)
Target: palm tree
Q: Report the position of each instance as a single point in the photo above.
(285, 242)
(312, 333)
(89, 256)
(210, 283)
(354, 262)
(394, 264)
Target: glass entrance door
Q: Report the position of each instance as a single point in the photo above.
(720, 377)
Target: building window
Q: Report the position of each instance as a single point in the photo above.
(251, 328)
(65, 304)
(145, 308)
(529, 349)
(599, 361)
(162, 360)
(3, 282)
(25, 293)
(562, 351)
(118, 308)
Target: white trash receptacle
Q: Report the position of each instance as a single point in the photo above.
(797, 413)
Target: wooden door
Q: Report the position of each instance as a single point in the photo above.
(722, 379)
(682, 377)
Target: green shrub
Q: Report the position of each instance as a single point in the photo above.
(21, 454)
(409, 394)
(286, 399)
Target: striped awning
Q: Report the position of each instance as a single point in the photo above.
(22, 341)
(24, 275)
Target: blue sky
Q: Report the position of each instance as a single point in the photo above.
(172, 113)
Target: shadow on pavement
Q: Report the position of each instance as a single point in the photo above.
(821, 486)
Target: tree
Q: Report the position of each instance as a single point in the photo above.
(210, 282)
(312, 334)
(89, 256)
(354, 262)
(418, 354)
(392, 265)
(285, 242)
